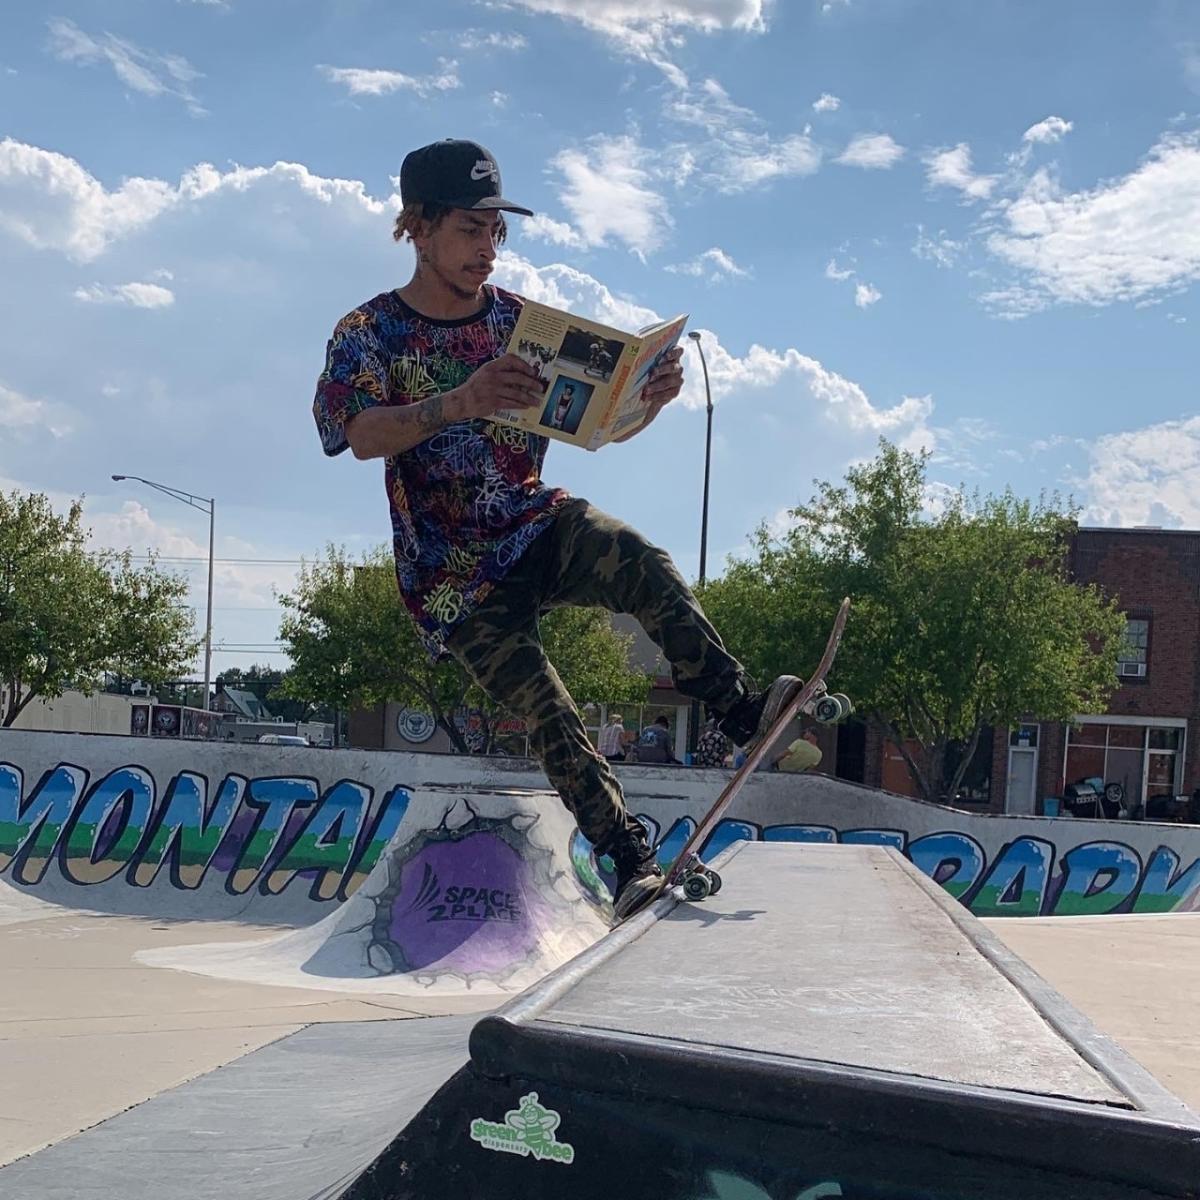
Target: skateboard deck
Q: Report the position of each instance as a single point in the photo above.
(699, 880)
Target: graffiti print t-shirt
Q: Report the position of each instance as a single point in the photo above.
(467, 502)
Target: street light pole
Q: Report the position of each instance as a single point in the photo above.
(694, 724)
(695, 336)
(209, 506)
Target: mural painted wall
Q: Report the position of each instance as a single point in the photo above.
(121, 826)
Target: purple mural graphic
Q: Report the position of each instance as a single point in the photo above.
(466, 901)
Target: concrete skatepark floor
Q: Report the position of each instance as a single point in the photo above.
(86, 1032)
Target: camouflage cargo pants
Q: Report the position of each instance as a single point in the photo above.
(589, 559)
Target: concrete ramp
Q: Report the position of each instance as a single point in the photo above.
(830, 1025)
(487, 901)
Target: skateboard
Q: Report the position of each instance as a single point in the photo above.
(699, 880)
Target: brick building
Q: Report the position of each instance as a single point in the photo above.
(1143, 742)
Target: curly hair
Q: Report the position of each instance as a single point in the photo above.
(409, 219)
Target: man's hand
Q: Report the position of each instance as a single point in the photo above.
(505, 382)
(664, 384)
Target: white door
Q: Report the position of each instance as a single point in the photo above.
(1022, 770)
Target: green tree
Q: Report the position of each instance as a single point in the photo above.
(69, 617)
(353, 644)
(964, 619)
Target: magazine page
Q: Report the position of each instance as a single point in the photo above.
(577, 361)
(627, 410)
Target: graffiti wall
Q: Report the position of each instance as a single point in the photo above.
(286, 834)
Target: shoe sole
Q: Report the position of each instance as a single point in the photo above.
(636, 894)
(779, 696)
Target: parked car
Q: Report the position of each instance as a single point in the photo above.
(282, 739)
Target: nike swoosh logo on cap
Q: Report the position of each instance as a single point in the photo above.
(482, 170)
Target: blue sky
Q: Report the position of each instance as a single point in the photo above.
(972, 228)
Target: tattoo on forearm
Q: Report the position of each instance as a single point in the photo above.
(431, 415)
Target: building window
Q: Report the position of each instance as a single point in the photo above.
(1132, 661)
(1143, 759)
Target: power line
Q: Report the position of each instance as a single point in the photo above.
(174, 558)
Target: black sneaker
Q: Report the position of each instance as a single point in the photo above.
(638, 873)
(747, 722)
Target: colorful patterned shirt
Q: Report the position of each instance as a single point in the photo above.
(712, 748)
(467, 502)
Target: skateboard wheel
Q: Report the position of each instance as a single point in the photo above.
(696, 887)
(714, 883)
(833, 708)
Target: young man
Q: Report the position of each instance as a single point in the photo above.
(482, 545)
(654, 746)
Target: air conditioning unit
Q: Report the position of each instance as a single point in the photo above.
(1134, 670)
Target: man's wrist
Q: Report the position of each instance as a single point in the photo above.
(453, 406)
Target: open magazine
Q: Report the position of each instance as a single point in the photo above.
(592, 375)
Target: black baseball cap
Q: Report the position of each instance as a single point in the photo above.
(457, 174)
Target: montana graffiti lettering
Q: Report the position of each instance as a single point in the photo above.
(251, 834)
(258, 835)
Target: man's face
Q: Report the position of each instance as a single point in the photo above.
(461, 250)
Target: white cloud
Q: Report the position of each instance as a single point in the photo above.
(18, 412)
(939, 248)
(144, 71)
(937, 498)
(608, 192)
(366, 81)
(714, 265)
(476, 39)
(757, 159)
(710, 107)
(136, 528)
(652, 30)
(842, 400)
(1052, 129)
(136, 295)
(50, 202)
(541, 228)
(1148, 476)
(562, 286)
(952, 168)
(1132, 238)
(739, 153)
(647, 28)
(872, 150)
(866, 294)
(839, 399)
(836, 273)
(827, 102)
(499, 99)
